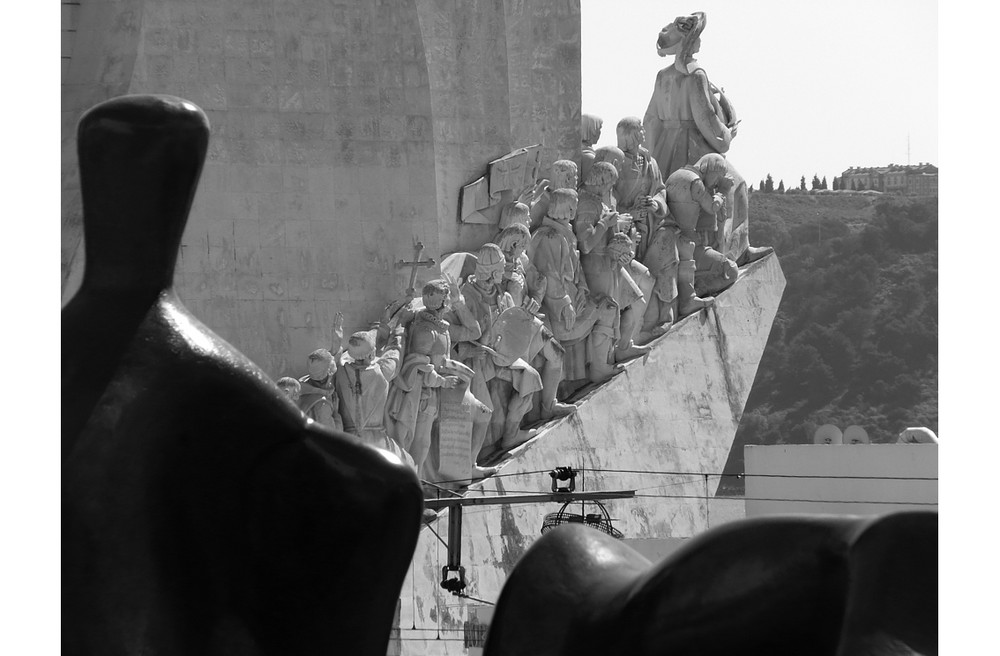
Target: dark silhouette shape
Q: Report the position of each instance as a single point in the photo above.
(781, 586)
(202, 513)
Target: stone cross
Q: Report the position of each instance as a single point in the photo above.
(418, 247)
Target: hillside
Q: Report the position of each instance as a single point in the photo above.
(855, 337)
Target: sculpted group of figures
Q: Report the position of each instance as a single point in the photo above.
(578, 280)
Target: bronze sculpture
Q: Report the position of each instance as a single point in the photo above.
(201, 512)
(782, 586)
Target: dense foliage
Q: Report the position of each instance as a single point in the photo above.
(855, 337)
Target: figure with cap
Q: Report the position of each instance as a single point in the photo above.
(362, 383)
(689, 117)
(317, 398)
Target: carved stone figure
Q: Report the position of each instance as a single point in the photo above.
(639, 189)
(564, 176)
(291, 387)
(594, 225)
(590, 134)
(520, 278)
(696, 197)
(527, 289)
(362, 383)
(318, 399)
(201, 512)
(503, 380)
(835, 585)
(684, 119)
(412, 404)
(584, 325)
(514, 213)
(689, 117)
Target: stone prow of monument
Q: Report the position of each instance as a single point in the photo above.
(677, 411)
(201, 511)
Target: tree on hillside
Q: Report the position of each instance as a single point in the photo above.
(781, 187)
(769, 184)
(822, 185)
(815, 182)
(761, 187)
(802, 183)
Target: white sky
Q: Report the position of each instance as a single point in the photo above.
(819, 86)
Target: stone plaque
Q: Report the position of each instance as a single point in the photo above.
(453, 446)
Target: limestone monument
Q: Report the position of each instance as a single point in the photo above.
(196, 499)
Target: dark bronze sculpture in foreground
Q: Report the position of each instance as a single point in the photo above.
(775, 586)
(202, 513)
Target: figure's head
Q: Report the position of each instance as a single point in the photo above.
(590, 129)
(361, 345)
(514, 213)
(563, 204)
(564, 174)
(714, 170)
(291, 387)
(601, 177)
(682, 37)
(621, 248)
(489, 268)
(611, 154)
(320, 364)
(435, 294)
(513, 240)
(630, 133)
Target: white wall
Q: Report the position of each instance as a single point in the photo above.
(859, 479)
